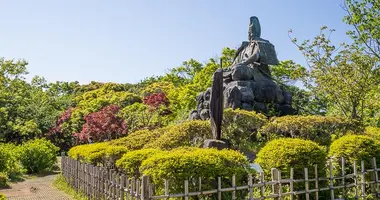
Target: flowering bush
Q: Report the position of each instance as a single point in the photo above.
(102, 125)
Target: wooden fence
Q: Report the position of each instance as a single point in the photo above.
(101, 183)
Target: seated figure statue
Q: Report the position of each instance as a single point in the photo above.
(251, 63)
(247, 83)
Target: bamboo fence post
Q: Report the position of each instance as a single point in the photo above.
(306, 173)
(331, 181)
(316, 181)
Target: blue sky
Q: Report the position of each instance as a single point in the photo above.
(126, 41)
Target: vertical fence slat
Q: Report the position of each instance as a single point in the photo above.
(331, 181)
(279, 184)
(234, 186)
(262, 187)
(306, 173)
(167, 189)
(343, 173)
(363, 180)
(219, 188)
(186, 190)
(292, 183)
(356, 180)
(274, 175)
(316, 181)
(376, 178)
(250, 186)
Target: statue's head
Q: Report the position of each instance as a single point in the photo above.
(254, 28)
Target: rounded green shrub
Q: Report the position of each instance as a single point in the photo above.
(10, 160)
(240, 126)
(190, 133)
(287, 153)
(38, 155)
(101, 153)
(190, 163)
(320, 129)
(131, 161)
(355, 148)
(138, 139)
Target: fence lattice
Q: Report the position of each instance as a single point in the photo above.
(97, 182)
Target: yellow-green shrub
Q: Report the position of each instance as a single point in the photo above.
(190, 133)
(373, 132)
(10, 160)
(240, 126)
(131, 161)
(190, 163)
(287, 153)
(138, 139)
(98, 153)
(38, 155)
(319, 129)
(355, 147)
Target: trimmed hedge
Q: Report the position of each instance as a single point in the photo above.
(98, 153)
(190, 133)
(38, 155)
(138, 139)
(131, 161)
(240, 126)
(355, 147)
(190, 163)
(2, 197)
(287, 153)
(319, 129)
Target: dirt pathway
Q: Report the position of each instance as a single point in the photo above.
(40, 188)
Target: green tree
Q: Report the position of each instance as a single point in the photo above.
(364, 16)
(346, 77)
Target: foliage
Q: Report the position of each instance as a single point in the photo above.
(59, 134)
(139, 116)
(61, 184)
(38, 155)
(316, 128)
(102, 125)
(345, 76)
(2, 196)
(190, 133)
(3, 181)
(287, 153)
(102, 153)
(364, 16)
(355, 148)
(373, 132)
(156, 100)
(10, 160)
(138, 139)
(182, 164)
(240, 127)
(131, 161)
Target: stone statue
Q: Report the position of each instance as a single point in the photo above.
(247, 83)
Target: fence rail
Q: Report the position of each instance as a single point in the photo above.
(101, 183)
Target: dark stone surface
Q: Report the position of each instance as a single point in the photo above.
(246, 94)
(216, 104)
(218, 144)
(194, 115)
(205, 114)
(247, 106)
(232, 97)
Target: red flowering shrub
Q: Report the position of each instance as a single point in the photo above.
(60, 135)
(102, 125)
(155, 100)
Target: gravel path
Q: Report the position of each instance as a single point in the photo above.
(40, 188)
